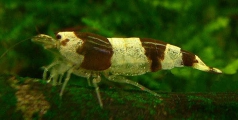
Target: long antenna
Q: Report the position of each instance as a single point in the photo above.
(12, 47)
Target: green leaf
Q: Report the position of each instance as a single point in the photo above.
(231, 68)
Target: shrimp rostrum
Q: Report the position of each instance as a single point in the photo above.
(91, 56)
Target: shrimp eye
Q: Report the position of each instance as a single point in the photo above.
(58, 36)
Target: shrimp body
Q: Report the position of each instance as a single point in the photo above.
(91, 56)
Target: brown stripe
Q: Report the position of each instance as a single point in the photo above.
(188, 58)
(97, 51)
(154, 50)
(64, 42)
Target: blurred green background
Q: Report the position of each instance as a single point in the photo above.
(206, 28)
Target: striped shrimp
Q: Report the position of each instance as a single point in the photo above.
(91, 56)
